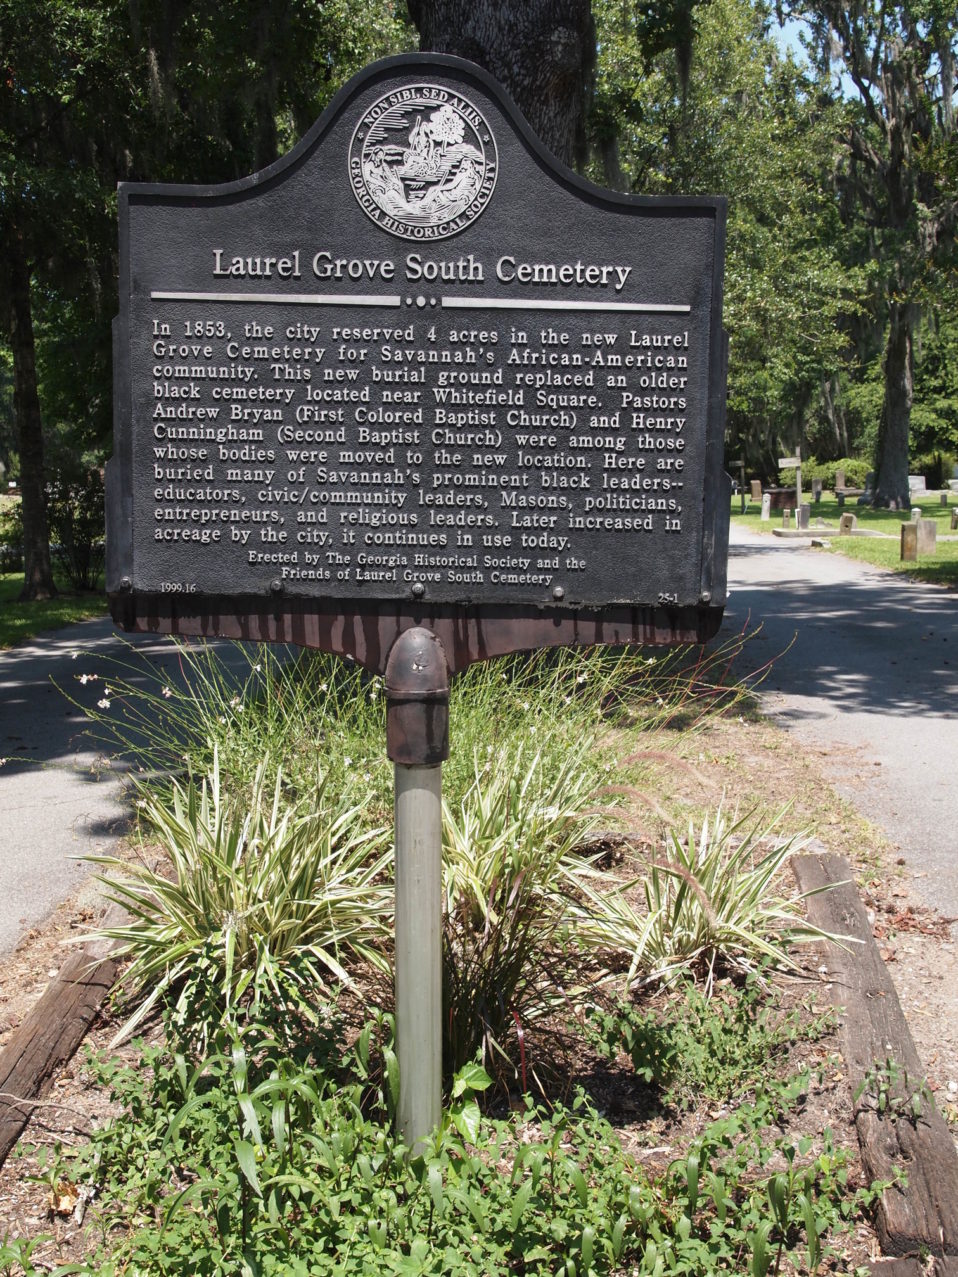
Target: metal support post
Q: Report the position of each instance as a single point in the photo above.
(417, 739)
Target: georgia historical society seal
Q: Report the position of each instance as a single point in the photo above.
(423, 162)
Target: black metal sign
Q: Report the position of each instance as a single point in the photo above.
(417, 370)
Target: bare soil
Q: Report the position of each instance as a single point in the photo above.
(743, 762)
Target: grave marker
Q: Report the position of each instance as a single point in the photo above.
(847, 524)
(927, 536)
(909, 543)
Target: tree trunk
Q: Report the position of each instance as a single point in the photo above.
(37, 570)
(891, 454)
(541, 51)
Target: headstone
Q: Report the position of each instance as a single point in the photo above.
(909, 543)
(943, 498)
(804, 515)
(786, 518)
(412, 371)
(927, 536)
(756, 487)
(847, 524)
(766, 505)
(915, 513)
(816, 490)
(954, 517)
(916, 483)
(839, 480)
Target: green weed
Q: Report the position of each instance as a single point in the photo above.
(888, 1090)
(249, 1163)
(704, 1048)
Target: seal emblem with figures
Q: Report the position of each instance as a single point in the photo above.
(423, 162)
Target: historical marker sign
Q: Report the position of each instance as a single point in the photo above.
(418, 371)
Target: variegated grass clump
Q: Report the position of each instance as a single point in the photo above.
(250, 702)
(712, 904)
(512, 865)
(261, 901)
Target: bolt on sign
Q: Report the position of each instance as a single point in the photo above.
(416, 373)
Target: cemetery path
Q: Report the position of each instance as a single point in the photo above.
(865, 663)
(59, 797)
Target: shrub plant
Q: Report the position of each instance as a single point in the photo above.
(856, 470)
(75, 511)
(263, 903)
(709, 905)
(512, 867)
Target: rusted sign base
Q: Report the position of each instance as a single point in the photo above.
(367, 633)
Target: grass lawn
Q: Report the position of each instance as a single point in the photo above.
(21, 621)
(883, 552)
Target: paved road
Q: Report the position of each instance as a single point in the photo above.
(59, 798)
(863, 660)
(872, 668)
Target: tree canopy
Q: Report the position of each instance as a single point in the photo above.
(896, 178)
(841, 172)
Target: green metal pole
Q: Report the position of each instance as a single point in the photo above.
(418, 951)
(417, 741)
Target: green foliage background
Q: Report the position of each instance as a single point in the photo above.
(693, 97)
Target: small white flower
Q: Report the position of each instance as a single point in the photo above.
(221, 719)
(74, 655)
(104, 704)
(257, 668)
(3, 762)
(107, 691)
(324, 687)
(166, 692)
(236, 701)
(582, 678)
(347, 762)
(87, 678)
